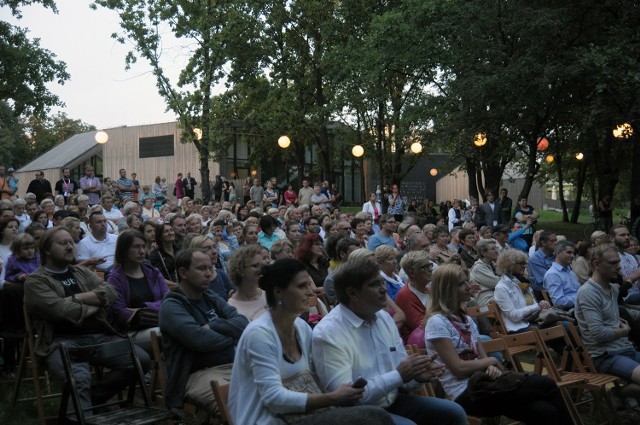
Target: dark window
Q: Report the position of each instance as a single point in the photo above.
(151, 147)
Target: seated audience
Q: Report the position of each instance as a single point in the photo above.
(414, 296)
(275, 350)
(245, 269)
(344, 340)
(560, 281)
(140, 289)
(220, 282)
(163, 257)
(388, 263)
(483, 270)
(199, 331)
(452, 336)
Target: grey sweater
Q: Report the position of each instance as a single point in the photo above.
(598, 318)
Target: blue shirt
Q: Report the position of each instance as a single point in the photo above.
(562, 285)
(515, 241)
(539, 263)
(267, 241)
(380, 239)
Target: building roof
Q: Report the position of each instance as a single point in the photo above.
(72, 151)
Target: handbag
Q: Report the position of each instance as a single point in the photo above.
(549, 316)
(144, 318)
(481, 386)
(302, 382)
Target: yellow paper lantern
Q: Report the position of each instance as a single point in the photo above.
(579, 156)
(480, 140)
(102, 137)
(284, 142)
(357, 151)
(254, 172)
(433, 172)
(550, 159)
(198, 133)
(416, 147)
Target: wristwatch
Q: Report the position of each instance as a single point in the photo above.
(75, 298)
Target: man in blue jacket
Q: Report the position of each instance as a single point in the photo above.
(199, 331)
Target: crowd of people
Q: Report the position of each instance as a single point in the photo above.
(306, 309)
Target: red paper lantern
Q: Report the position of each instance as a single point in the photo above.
(543, 143)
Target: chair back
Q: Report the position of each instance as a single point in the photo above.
(499, 346)
(558, 333)
(221, 394)
(583, 361)
(492, 312)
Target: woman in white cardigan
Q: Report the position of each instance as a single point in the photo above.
(276, 348)
(513, 294)
(372, 207)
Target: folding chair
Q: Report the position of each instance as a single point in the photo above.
(595, 383)
(545, 296)
(428, 389)
(521, 343)
(117, 412)
(221, 394)
(159, 375)
(29, 361)
(490, 311)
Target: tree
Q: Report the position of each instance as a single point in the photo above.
(26, 68)
(43, 134)
(200, 27)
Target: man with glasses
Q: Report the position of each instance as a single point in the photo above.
(311, 225)
(199, 331)
(40, 186)
(385, 236)
(70, 304)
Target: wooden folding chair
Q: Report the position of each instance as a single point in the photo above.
(29, 362)
(159, 375)
(595, 383)
(491, 312)
(221, 394)
(519, 343)
(120, 411)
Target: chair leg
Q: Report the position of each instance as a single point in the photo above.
(19, 375)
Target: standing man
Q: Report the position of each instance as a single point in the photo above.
(305, 193)
(604, 334)
(125, 185)
(319, 198)
(91, 186)
(189, 186)
(66, 185)
(5, 188)
(358, 338)
(506, 204)
(488, 213)
(40, 186)
(70, 304)
(200, 332)
(98, 243)
(256, 193)
(560, 281)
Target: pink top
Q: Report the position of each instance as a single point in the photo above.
(179, 189)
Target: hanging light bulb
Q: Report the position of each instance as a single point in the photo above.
(284, 141)
(102, 137)
(357, 151)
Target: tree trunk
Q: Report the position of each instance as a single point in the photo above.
(471, 172)
(532, 170)
(563, 202)
(582, 173)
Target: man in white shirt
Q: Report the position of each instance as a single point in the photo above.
(112, 214)
(305, 193)
(358, 338)
(98, 243)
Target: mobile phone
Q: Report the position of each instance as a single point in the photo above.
(359, 383)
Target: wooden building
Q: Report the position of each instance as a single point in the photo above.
(147, 150)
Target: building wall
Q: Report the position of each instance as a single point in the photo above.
(122, 151)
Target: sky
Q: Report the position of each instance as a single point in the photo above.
(100, 91)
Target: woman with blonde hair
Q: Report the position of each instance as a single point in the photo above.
(245, 270)
(413, 297)
(513, 294)
(452, 339)
(194, 223)
(386, 259)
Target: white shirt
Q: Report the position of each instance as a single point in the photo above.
(113, 215)
(256, 393)
(346, 347)
(512, 304)
(90, 247)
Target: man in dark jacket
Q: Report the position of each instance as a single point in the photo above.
(189, 186)
(199, 331)
(69, 304)
(40, 186)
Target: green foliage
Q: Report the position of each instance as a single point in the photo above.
(26, 68)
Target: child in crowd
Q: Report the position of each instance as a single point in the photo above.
(24, 259)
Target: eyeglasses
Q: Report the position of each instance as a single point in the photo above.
(65, 243)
